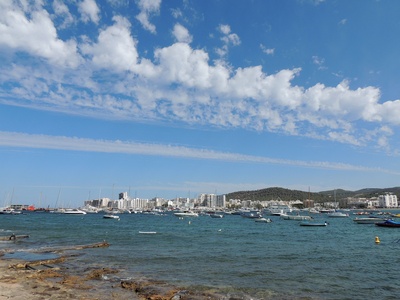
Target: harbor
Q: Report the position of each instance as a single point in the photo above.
(233, 256)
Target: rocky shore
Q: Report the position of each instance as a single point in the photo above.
(51, 279)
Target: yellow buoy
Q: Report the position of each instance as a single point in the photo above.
(377, 241)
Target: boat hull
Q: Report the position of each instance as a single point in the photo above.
(296, 218)
(110, 217)
(313, 224)
(368, 220)
(388, 223)
(186, 214)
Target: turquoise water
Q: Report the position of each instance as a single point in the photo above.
(232, 255)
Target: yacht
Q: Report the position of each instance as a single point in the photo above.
(337, 214)
(111, 216)
(186, 214)
(74, 211)
(279, 209)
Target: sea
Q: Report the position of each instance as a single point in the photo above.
(233, 256)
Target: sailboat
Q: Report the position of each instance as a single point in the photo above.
(335, 213)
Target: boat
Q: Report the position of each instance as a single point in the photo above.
(388, 223)
(147, 232)
(337, 214)
(326, 210)
(251, 214)
(74, 211)
(314, 223)
(295, 217)
(186, 214)
(111, 216)
(368, 220)
(263, 220)
(216, 216)
(9, 211)
(277, 210)
(90, 209)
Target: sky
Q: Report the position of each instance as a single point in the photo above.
(177, 98)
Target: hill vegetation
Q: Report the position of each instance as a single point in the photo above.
(277, 193)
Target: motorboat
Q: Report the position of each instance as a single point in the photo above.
(186, 214)
(216, 216)
(277, 210)
(263, 220)
(9, 211)
(388, 223)
(251, 214)
(368, 220)
(111, 216)
(74, 211)
(90, 209)
(295, 217)
(314, 223)
(337, 214)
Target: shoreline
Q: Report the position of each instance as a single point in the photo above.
(51, 279)
(40, 280)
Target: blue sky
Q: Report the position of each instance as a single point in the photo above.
(177, 98)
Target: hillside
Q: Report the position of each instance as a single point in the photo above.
(276, 193)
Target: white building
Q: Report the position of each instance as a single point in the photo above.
(388, 201)
(212, 200)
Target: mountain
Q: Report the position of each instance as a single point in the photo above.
(277, 193)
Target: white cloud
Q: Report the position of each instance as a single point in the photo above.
(266, 50)
(319, 62)
(62, 11)
(181, 64)
(176, 13)
(181, 34)
(23, 140)
(388, 112)
(147, 8)
(35, 34)
(89, 11)
(115, 48)
(227, 38)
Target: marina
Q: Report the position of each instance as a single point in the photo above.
(244, 259)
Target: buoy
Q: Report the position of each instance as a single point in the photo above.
(377, 241)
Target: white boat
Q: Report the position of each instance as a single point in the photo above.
(337, 214)
(9, 211)
(251, 214)
(111, 216)
(263, 220)
(147, 232)
(74, 211)
(186, 214)
(277, 210)
(216, 216)
(295, 217)
(368, 220)
(326, 210)
(314, 224)
(90, 209)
